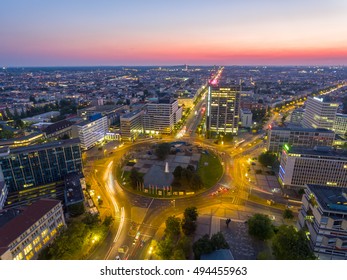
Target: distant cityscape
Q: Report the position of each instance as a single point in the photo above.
(155, 162)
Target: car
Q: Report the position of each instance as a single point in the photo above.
(137, 236)
(276, 190)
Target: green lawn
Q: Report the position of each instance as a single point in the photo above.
(211, 172)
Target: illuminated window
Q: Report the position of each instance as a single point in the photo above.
(38, 248)
(44, 233)
(30, 255)
(54, 231)
(27, 249)
(19, 256)
(36, 240)
(46, 239)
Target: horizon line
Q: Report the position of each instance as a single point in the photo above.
(178, 65)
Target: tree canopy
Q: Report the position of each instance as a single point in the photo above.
(76, 241)
(267, 159)
(162, 151)
(173, 226)
(260, 227)
(187, 178)
(189, 220)
(288, 214)
(205, 245)
(135, 178)
(290, 244)
(174, 246)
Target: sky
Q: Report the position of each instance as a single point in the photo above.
(172, 32)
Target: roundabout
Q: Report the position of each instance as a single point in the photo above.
(170, 169)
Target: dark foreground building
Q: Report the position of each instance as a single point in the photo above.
(39, 171)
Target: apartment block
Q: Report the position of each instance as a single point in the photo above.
(324, 216)
(161, 117)
(297, 116)
(91, 131)
(24, 233)
(131, 125)
(340, 124)
(319, 114)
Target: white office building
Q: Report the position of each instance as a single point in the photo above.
(131, 125)
(324, 215)
(321, 166)
(91, 131)
(297, 116)
(246, 118)
(161, 117)
(319, 114)
(298, 137)
(340, 125)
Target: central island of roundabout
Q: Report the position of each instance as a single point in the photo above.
(169, 170)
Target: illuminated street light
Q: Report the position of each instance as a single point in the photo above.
(150, 251)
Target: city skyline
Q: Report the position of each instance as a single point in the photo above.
(90, 33)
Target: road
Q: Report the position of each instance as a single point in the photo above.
(140, 219)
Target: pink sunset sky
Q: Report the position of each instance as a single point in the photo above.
(153, 32)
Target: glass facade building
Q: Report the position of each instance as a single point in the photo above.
(223, 108)
(35, 169)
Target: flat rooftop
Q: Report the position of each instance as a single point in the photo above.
(330, 198)
(83, 123)
(320, 151)
(73, 189)
(303, 129)
(43, 146)
(102, 108)
(131, 114)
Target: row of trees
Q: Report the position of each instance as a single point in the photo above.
(162, 150)
(135, 178)
(206, 245)
(287, 242)
(187, 178)
(64, 106)
(76, 241)
(176, 244)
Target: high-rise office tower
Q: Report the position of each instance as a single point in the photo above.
(223, 108)
(319, 114)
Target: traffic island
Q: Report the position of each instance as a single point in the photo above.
(172, 169)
